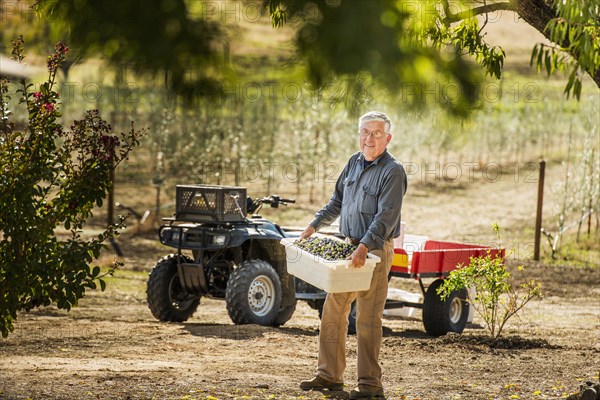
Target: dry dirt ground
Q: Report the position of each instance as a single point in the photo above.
(110, 347)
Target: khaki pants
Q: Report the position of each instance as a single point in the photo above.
(369, 311)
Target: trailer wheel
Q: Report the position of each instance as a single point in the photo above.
(443, 316)
(253, 294)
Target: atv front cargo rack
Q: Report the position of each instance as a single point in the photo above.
(208, 203)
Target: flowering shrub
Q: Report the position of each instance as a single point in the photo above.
(51, 179)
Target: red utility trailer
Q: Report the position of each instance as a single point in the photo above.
(420, 258)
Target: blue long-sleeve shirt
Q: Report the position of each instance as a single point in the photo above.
(368, 200)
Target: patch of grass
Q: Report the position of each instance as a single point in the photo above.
(127, 281)
(584, 252)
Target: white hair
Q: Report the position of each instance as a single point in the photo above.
(376, 116)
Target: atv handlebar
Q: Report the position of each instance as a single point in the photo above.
(273, 200)
(282, 200)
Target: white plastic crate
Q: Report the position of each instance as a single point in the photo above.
(337, 276)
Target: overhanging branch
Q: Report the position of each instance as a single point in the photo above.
(487, 8)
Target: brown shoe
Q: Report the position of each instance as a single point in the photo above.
(367, 392)
(318, 383)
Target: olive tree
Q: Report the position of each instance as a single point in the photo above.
(412, 40)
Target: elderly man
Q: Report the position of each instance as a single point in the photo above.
(368, 199)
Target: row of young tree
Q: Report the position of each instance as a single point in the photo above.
(245, 142)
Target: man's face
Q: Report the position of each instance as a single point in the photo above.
(373, 139)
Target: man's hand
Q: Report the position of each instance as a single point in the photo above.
(307, 232)
(359, 256)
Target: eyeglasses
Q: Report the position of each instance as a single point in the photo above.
(376, 134)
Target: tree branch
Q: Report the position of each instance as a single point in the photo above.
(487, 8)
(538, 13)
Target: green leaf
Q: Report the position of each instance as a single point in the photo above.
(570, 83)
(102, 284)
(96, 271)
(540, 58)
(577, 89)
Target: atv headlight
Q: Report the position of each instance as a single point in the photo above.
(219, 240)
(165, 235)
(175, 235)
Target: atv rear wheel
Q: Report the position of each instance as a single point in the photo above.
(253, 294)
(284, 314)
(167, 299)
(352, 319)
(317, 305)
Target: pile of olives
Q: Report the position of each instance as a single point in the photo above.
(327, 248)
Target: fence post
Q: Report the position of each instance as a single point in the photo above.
(538, 218)
(111, 196)
(110, 218)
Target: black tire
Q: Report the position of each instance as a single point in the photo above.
(443, 316)
(352, 319)
(320, 306)
(284, 314)
(317, 305)
(352, 315)
(166, 298)
(253, 294)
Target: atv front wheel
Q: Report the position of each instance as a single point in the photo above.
(253, 294)
(167, 299)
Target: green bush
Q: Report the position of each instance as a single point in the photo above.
(51, 179)
(494, 297)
